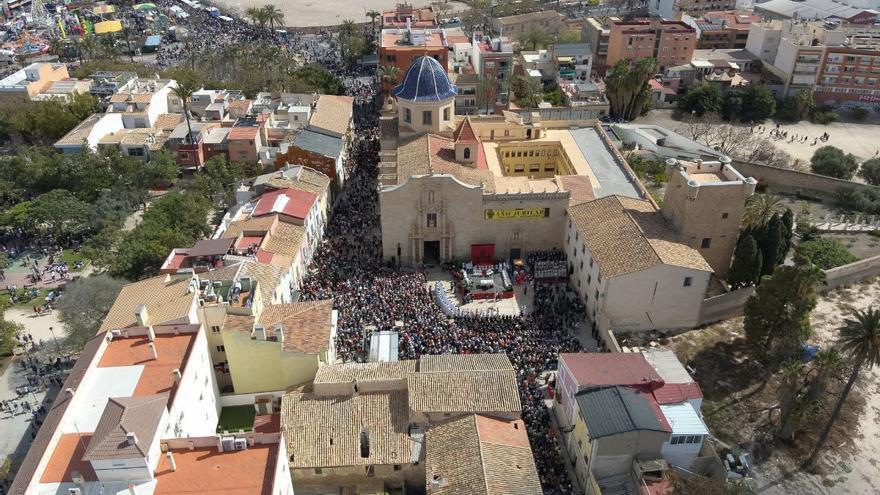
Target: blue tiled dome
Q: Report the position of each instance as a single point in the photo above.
(425, 80)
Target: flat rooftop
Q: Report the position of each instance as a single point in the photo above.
(156, 376)
(707, 177)
(67, 458)
(420, 38)
(242, 472)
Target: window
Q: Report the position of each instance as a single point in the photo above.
(319, 471)
(707, 241)
(136, 152)
(407, 115)
(467, 153)
(432, 220)
(446, 113)
(506, 132)
(397, 467)
(221, 348)
(597, 294)
(430, 196)
(215, 329)
(688, 281)
(426, 117)
(723, 216)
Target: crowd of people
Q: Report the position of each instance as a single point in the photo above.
(372, 295)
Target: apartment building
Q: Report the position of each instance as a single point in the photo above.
(722, 30)
(670, 42)
(515, 26)
(400, 46)
(597, 32)
(832, 10)
(617, 410)
(849, 73)
(675, 9)
(139, 410)
(41, 81)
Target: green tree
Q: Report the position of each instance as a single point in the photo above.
(389, 74)
(373, 15)
(760, 208)
(535, 37)
(789, 394)
(274, 16)
(163, 169)
(746, 267)
(527, 91)
(771, 244)
(870, 171)
(8, 331)
(833, 162)
(58, 214)
(758, 104)
(777, 315)
(256, 15)
(567, 36)
(826, 253)
(628, 87)
(85, 303)
(826, 366)
(860, 342)
(701, 99)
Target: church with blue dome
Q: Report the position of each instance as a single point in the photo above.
(426, 98)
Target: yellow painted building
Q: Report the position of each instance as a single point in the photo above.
(537, 159)
(281, 347)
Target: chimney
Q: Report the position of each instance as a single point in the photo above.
(151, 334)
(142, 316)
(153, 352)
(171, 462)
(260, 332)
(176, 374)
(131, 438)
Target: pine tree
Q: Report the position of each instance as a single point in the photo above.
(746, 268)
(787, 233)
(771, 242)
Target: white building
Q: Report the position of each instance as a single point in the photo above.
(631, 268)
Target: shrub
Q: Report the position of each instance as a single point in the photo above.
(860, 113)
(824, 117)
(826, 253)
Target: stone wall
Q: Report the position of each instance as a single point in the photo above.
(794, 181)
(851, 273)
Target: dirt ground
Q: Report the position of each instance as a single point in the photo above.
(306, 13)
(738, 410)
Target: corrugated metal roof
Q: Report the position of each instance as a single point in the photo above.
(615, 410)
(667, 365)
(321, 144)
(683, 419)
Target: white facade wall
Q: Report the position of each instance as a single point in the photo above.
(682, 454)
(662, 8)
(283, 481)
(195, 409)
(159, 104)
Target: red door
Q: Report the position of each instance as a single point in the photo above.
(482, 254)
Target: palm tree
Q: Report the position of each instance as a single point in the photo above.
(186, 86)
(827, 365)
(347, 32)
(274, 16)
(389, 74)
(255, 14)
(373, 15)
(760, 208)
(860, 342)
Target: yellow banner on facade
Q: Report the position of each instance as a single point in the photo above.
(516, 213)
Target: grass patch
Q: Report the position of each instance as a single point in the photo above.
(71, 258)
(23, 302)
(236, 418)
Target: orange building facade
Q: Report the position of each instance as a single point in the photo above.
(400, 47)
(670, 42)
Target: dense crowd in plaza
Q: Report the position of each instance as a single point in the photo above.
(372, 294)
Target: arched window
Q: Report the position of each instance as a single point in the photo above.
(467, 153)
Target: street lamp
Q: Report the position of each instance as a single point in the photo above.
(57, 347)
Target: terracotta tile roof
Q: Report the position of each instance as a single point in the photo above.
(676, 393)
(464, 391)
(168, 121)
(478, 455)
(225, 273)
(332, 113)
(429, 153)
(307, 325)
(348, 372)
(285, 240)
(243, 134)
(124, 415)
(67, 458)
(156, 377)
(311, 422)
(465, 133)
(41, 444)
(79, 133)
(267, 276)
(626, 235)
(257, 225)
(165, 297)
(239, 323)
(579, 187)
(309, 180)
(206, 471)
(464, 362)
(131, 98)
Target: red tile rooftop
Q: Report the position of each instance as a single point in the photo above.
(68, 458)
(179, 260)
(156, 377)
(247, 241)
(268, 423)
(243, 472)
(598, 369)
